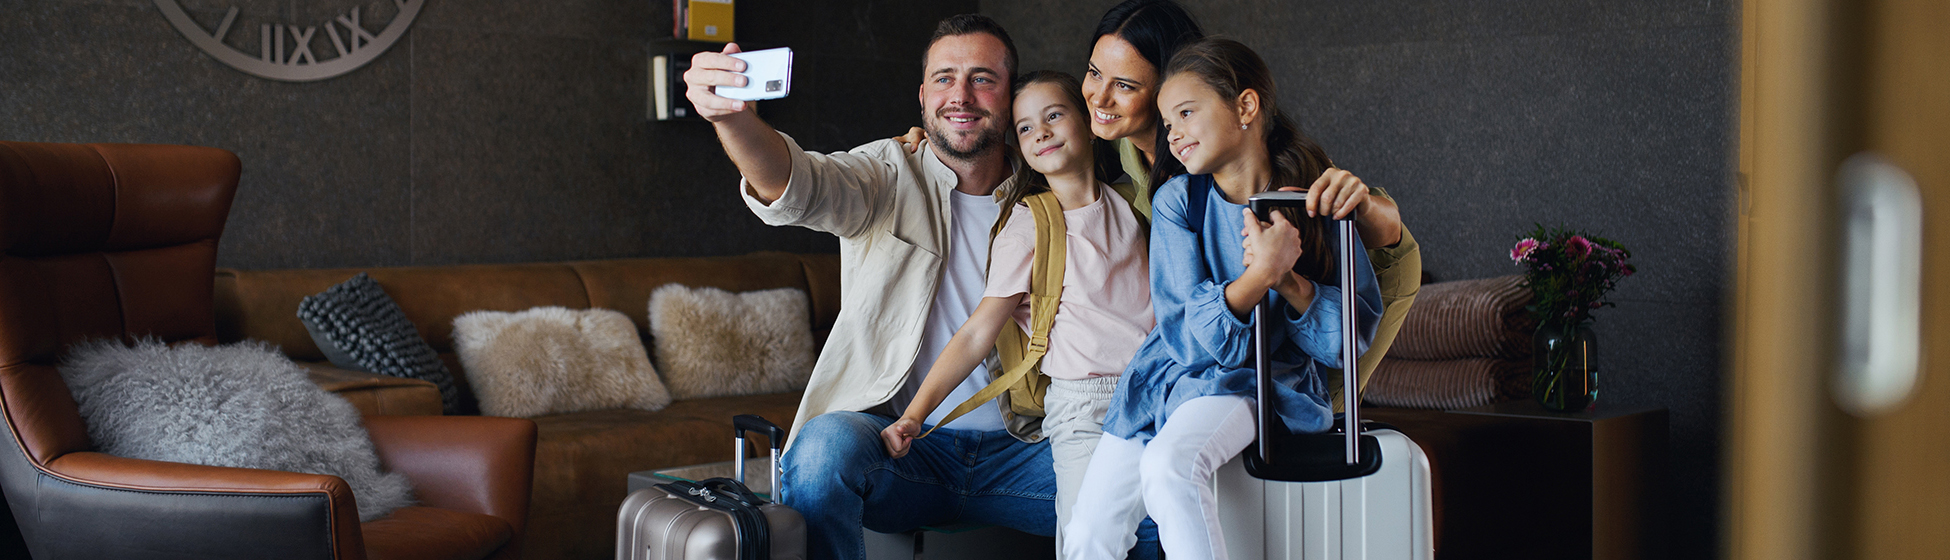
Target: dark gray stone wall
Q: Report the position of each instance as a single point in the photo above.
(1484, 117)
(496, 131)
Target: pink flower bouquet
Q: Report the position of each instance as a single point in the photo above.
(1570, 272)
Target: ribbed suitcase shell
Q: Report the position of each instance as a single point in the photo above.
(1385, 515)
(654, 525)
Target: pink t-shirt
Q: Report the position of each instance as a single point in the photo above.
(1106, 308)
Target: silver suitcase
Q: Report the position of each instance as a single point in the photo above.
(714, 519)
(1345, 494)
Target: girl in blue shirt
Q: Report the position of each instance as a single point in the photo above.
(1185, 403)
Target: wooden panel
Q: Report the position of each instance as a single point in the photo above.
(1775, 401)
(1823, 79)
(1903, 496)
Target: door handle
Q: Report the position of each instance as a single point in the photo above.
(1881, 307)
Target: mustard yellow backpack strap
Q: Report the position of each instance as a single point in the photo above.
(1022, 353)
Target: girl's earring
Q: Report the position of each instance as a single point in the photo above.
(1243, 126)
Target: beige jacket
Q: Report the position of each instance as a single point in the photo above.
(891, 211)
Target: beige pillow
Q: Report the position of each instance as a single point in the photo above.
(550, 360)
(712, 343)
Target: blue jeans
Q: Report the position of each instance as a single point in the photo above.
(839, 477)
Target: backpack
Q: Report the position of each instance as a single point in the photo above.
(1196, 189)
(1021, 382)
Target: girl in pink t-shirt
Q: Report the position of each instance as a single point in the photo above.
(1105, 309)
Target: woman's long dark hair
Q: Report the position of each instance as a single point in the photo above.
(1156, 29)
(1230, 68)
(1028, 180)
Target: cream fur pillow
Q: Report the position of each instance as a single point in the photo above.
(711, 343)
(551, 360)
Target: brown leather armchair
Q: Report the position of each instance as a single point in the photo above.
(105, 240)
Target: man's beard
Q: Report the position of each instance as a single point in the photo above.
(985, 139)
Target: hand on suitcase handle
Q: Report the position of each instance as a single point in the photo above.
(1336, 190)
(1270, 251)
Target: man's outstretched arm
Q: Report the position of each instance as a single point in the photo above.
(755, 147)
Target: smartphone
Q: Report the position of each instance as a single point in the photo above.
(768, 75)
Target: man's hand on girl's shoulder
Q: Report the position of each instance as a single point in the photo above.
(912, 140)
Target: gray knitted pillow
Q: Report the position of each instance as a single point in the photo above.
(359, 328)
(242, 405)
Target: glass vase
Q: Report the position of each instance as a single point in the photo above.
(1566, 379)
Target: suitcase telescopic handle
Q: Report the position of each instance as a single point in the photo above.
(773, 434)
(1350, 351)
(1263, 205)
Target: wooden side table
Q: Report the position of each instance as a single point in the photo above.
(1516, 481)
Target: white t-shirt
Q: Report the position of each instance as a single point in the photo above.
(960, 292)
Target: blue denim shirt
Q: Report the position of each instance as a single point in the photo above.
(1199, 348)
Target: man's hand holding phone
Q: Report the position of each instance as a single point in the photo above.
(722, 83)
(710, 70)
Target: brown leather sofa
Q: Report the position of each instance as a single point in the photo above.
(120, 241)
(583, 459)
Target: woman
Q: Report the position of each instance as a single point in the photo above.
(1134, 40)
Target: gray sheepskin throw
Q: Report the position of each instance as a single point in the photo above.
(712, 343)
(239, 405)
(553, 360)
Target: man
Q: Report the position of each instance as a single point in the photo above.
(913, 234)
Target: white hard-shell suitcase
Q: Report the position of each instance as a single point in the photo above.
(1331, 496)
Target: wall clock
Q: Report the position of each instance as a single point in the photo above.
(287, 51)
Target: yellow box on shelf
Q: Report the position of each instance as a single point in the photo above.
(705, 20)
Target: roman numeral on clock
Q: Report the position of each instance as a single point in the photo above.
(354, 44)
(272, 39)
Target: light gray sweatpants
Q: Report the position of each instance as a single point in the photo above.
(1074, 422)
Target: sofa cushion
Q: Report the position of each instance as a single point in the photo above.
(358, 327)
(1483, 318)
(583, 461)
(1447, 384)
(625, 284)
(374, 394)
(551, 360)
(712, 343)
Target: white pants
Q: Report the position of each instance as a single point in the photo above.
(1172, 481)
(1074, 421)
